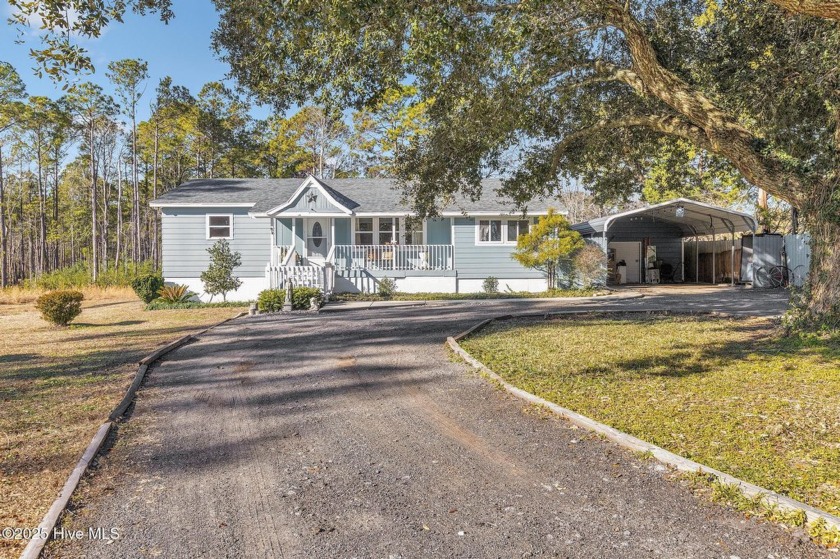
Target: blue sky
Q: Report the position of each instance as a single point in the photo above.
(180, 49)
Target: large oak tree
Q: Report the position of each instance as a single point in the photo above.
(582, 88)
(587, 89)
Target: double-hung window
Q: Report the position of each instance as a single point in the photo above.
(515, 228)
(378, 231)
(490, 231)
(413, 231)
(220, 226)
(500, 231)
(389, 231)
(364, 231)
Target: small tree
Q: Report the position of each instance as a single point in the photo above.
(218, 278)
(548, 246)
(590, 265)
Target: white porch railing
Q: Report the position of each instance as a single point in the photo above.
(301, 276)
(392, 257)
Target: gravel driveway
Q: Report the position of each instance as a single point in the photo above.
(354, 434)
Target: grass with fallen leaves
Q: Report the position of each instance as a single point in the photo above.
(58, 384)
(733, 394)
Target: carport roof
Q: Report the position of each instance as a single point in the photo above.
(698, 219)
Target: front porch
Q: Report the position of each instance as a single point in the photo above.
(319, 240)
(360, 266)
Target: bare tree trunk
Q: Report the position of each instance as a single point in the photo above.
(762, 206)
(119, 215)
(105, 197)
(136, 201)
(4, 272)
(42, 210)
(155, 251)
(21, 270)
(56, 221)
(93, 206)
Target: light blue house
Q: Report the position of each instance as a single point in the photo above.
(343, 235)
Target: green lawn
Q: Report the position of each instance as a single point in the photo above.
(732, 394)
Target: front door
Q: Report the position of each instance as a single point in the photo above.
(318, 238)
(631, 254)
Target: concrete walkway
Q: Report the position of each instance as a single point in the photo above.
(355, 435)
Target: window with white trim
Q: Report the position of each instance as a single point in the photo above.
(515, 228)
(414, 231)
(500, 231)
(364, 231)
(489, 230)
(378, 231)
(220, 226)
(389, 231)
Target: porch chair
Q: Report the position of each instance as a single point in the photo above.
(422, 260)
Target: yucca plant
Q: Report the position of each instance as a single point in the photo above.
(175, 293)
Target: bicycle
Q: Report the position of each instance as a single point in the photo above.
(672, 274)
(798, 275)
(774, 276)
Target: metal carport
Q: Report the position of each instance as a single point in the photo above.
(682, 218)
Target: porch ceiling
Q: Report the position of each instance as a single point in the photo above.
(697, 219)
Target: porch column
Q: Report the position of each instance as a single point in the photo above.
(272, 252)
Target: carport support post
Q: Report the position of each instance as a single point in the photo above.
(732, 273)
(696, 259)
(714, 257)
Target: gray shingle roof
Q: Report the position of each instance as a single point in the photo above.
(359, 195)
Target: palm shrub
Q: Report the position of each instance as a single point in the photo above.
(147, 286)
(60, 307)
(175, 293)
